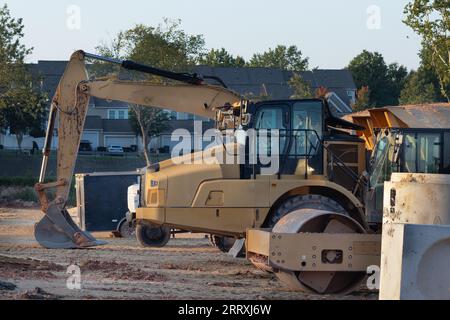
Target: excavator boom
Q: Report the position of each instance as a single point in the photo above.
(69, 110)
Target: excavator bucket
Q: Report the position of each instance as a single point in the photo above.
(58, 231)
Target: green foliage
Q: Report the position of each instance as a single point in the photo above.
(362, 99)
(221, 58)
(22, 188)
(287, 58)
(430, 19)
(301, 88)
(417, 90)
(167, 47)
(384, 81)
(22, 107)
(427, 74)
(423, 86)
(321, 93)
(396, 79)
(18, 181)
(12, 51)
(27, 194)
(155, 120)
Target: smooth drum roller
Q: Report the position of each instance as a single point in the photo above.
(317, 221)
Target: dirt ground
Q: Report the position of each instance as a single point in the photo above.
(188, 268)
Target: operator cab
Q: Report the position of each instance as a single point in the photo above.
(306, 139)
(405, 151)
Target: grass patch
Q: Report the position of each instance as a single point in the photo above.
(18, 181)
(14, 194)
(22, 189)
(27, 194)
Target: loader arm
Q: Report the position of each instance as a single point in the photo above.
(69, 110)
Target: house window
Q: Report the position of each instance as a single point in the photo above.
(118, 114)
(351, 95)
(112, 114)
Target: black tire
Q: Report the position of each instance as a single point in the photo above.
(127, 229)
(224, 244)
(311, 201)
(150, 236)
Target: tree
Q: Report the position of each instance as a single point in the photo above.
(166, 46)
(362, 99)
(427, 74)
(282, 57)
(430, 19)
(12, 51)
(396, 75)
(221, 58)
(24, 111)
(417, 91)
(385, 82)
(148, 122)
(114, 49)
(301, 88)
(321, 93)
(22, 107)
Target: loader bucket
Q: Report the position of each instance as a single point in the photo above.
(58, 231)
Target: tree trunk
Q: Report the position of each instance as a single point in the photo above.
(145, 143)
(19, 138)
(144, 132)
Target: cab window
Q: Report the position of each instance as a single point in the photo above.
(308, 115)
(271, 117)
(307, 127)
(381, 170)
(422, 152)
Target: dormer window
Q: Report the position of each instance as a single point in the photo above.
(351, 95)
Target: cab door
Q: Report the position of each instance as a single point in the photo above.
(271, 127)
(304, 156)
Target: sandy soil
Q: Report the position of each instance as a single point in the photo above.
(188, 268)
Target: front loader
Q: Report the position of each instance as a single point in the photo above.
(291, 167)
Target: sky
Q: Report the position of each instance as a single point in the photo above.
(329, 32)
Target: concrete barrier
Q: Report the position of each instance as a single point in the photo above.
(417, 199)
(415, 262)
(415, 254)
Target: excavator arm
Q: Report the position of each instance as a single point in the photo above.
(69, 110)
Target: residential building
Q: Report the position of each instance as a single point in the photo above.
(107, 121)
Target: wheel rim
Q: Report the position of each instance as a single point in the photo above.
(316, 221)
(127, 230)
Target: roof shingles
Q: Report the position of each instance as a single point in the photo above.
(246, 81)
